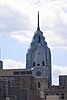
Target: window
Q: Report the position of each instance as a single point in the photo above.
(0, 92)
(29, 72)
(46, 94)
(14, 83)
(39, 85)
(38, 64)
(57, 94)
(22, 73)
(43, 63)
(9, 83)
(33, 63)
(62, 96)
(16, 73)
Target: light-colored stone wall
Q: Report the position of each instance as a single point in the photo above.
(52, 97)
(10, 72)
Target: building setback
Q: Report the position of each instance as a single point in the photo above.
(39, 55)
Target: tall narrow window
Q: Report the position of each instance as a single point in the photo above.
(33, 63)
(43, 63)
(39, 85)
(62, 96)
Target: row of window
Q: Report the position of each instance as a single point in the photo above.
(63, 81)
(22, 72)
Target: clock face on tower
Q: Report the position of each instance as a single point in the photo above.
(38, 73)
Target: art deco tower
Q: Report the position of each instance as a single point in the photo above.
(39, 55)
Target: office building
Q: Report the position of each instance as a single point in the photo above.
(38, 56)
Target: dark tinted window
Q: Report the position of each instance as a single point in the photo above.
(38, 64)
(43, 63)
(33, 63)
(16, 73)
(23, 72)
(38, 84)
(29, 72)
(62, 96)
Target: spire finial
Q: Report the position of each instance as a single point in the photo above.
(38, 28)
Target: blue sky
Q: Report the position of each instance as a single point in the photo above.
(18, 22)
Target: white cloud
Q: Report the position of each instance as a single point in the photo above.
(22, 6)
(54, 23)
(55, 40)
(56, 71)
(11, 19)
(23, 37)
(22, 15)
(12, 64)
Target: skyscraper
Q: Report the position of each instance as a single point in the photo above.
(39, 54)
(1, 64)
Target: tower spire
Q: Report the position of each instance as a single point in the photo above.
(38, 28)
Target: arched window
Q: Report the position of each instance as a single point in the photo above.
(38, 64)
(33, 63)
(39, 85)
(43, 63)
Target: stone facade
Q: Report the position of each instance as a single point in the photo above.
(19, 87)
(61, 92)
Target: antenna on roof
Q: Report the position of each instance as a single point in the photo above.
(38, 28)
